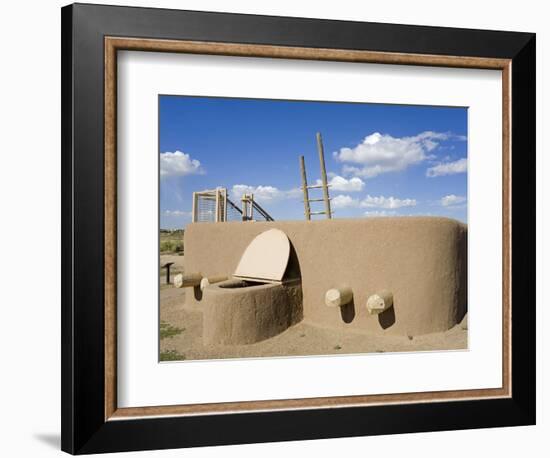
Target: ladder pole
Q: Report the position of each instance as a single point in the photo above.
(323, 175)
(262, 211)
(307, 211)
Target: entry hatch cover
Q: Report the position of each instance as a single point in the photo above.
(266, 257)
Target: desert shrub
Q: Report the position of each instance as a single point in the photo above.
(168, 331)
(166, 245)
(171, 355)
(171, 246)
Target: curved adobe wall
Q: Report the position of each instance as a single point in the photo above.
(422, 260)
(236, 316)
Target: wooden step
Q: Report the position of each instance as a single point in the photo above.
(317, 186)
(319, 200)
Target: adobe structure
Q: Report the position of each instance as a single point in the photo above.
(420, 261)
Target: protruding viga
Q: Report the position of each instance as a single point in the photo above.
(210, 280)
(379, 302)
(337, 297)
(182, 281)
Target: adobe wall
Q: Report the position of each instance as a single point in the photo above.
(236, 316)
(422, 260)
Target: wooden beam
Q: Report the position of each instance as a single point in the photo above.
(338, 297)
(183, 281)
(379, 302)
(205, 281)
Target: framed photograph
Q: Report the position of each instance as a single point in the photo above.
(283, 228)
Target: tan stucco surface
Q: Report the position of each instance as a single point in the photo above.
(421, 260)
(237, 316)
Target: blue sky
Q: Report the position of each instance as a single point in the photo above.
(382, 160)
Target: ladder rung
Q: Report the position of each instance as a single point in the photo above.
(317, 213)
(318, 200)
(317, 186)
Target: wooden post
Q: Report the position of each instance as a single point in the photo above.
(167, 267)
(224, 204)
(323, 175)
(307, 210)
(194, 210)
(251, 204)
(247, 206)
(217, 212)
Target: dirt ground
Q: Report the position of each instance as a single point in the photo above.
(181, 334)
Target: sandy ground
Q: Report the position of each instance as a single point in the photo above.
(183, 340)
(176, 268)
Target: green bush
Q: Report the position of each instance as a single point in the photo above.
(171, 355)
(169, 331)
(171, 246)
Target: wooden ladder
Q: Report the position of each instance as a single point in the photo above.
(324, 184)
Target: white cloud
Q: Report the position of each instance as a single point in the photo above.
(379, 213)
(448, 168)
(382, 153)
(261, 193)
(386, 202)
(346, 201)
(178, 164)
(264, 193)
(338, 183)
(452, 199)
(343, 201)
(176, 213)
(294, 193)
